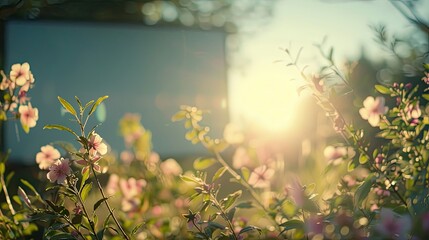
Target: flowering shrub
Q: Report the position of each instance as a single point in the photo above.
(379, 170)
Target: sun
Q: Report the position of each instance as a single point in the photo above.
(268, 101)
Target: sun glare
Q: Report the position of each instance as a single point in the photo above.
(268, 102)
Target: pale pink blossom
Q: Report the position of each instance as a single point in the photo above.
(6, 83)
(47, 156)
(381, 192)
(96, 145)
(391, 226)
(335, 154)
(413, 111)
(127, 157)
(296, 192)
(93, 161)
(372, 110)
(131, 187)
(28, 115)
(241, 158)
(59, 171)
(112, 185)
(20, 74)
(233, 134)
(170, 167)
(260, 177)
(130, 204)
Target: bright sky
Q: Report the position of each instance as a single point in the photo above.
(261, 91)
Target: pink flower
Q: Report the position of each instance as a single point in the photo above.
(6, 83)
(372, 110)
(391, 226)
(20, 74)
(127, 157)
(112, 184)
(130, 204)
(96, 145)
(93, 161)
(296, 192)
(47, 156)
(59, 171)
(131, 188)
(413, 113)
(29, 115)
(260, 177)
(335, 154)
(170, 167)
(241, 158)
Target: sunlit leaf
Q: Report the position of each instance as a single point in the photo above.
(95, 105)
(249, 228)
(59, 127)
(247, 204)
(382, 89)
(363, 158)
(99, 202)
(230, 199)
(189, 179)
(245, 172)
(180, 115)
(28, 184)
(363, 190)
(67, 106)
(203, 163)
(219, 173)
(85, 191)
(292, 224)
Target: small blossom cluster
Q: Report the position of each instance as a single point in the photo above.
(15, 99)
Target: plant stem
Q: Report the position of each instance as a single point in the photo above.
(218, 206)
(91, 223)
(6, 194)
(108, 205)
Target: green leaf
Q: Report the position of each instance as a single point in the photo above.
(59, 127)
(189, 179)
(292, 224)
(219, 173)
(230, 214)
(137, 227)
(99, 202)
(426, 96)
(245, 172)
(85, 191)
(25, 128)
(351, 166)
(85, 176)
(216, 225)
(363, 190)
(230, 199)
(247, 204)
(363, 158)
(2, 168)
(382, 89)
(203, 163)
(95, 105)
(180, 115)
(26, 183)
(249, 228)
(67, 106)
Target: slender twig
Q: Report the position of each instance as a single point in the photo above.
(108, 205)
(91, 223)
